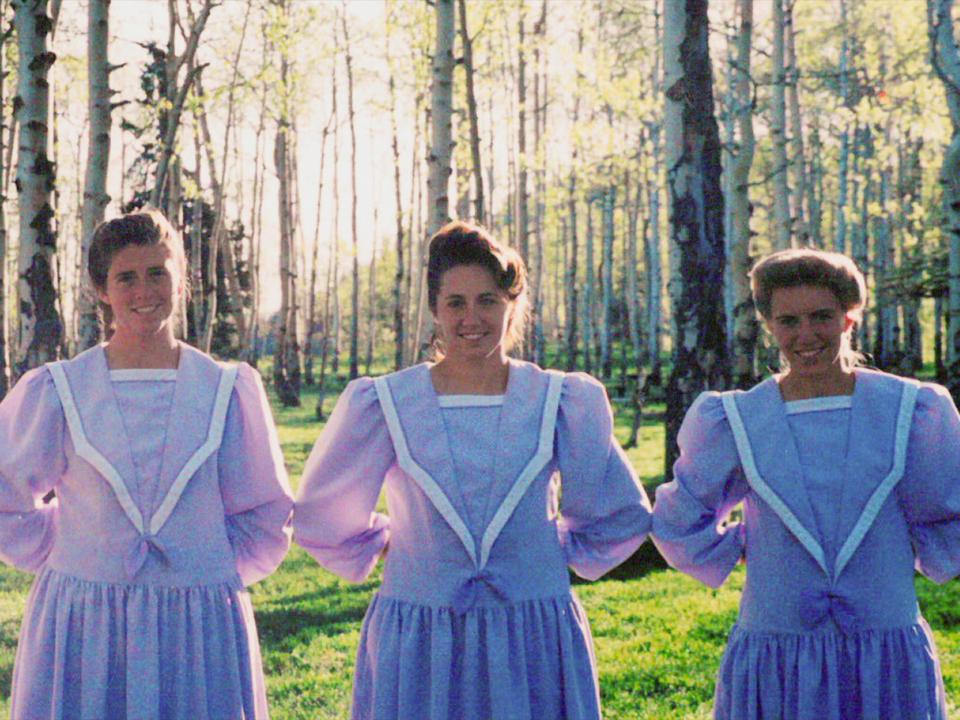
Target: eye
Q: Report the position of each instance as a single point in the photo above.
(787, 321)
(824, 316)
(124, 278)
(455, 302)
(157, 272)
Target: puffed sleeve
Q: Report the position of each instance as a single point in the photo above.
(605, 513)
(929, 492)
(253, 481)
(335, 518)
(690, 512)
(32, 460)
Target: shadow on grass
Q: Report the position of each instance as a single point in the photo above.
(644, 561)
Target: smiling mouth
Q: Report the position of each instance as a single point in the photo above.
(145, 310)
(809, 353)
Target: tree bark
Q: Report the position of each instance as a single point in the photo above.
(778, 131)
(745, 326)
(696, 215)
(476, 167)
(355, 261)
(95, 197)
(40, 323)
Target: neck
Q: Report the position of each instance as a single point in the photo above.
(799, 387)
(482, 376)
(133, 352)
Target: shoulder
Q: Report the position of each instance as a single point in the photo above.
(930, 396)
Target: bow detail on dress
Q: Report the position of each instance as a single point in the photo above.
(817, 605)
(466, 596)
(138, 554)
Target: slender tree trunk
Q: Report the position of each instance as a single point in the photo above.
(399, 309)
(608, 200)
(539, 133)
(522, 197)
(177, 98)
(5, 35)
(441, 114)
(355, 264)
(95, 197)
(573, 300)
(652, 239)
(840, 214)
(476, 167)
(696, 215)
(286, 369)
(589, 337)
(40, 324)
(798, 162)
(315, 252)
(745, 326)
(778, 130)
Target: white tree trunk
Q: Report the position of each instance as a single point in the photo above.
(745, 327)
(441, 115)
(778, 132)
(40, 325)
(95, 196)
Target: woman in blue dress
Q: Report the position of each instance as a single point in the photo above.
(849, 479)
(475, 618)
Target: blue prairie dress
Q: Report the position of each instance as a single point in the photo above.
(843, 497)
(172, 497)
(475, 618)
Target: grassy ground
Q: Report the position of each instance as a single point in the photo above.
(658, 636)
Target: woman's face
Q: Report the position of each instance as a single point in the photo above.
(472, 314)
(808, 324)
(143, 288)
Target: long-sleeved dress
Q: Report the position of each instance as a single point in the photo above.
(475, 618)
(842, 498)
(171, 496)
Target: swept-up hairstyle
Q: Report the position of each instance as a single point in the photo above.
(461, 243)
(821, 268)
(143, 227)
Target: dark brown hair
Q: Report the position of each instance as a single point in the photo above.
(143, 227)
(821, 268)
(460, 243)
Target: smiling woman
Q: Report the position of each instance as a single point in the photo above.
(476, 618)
(849, 479)
(171, 496)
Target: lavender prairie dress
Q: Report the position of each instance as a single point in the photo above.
(475, 618)
(842, 498)
(171, 496)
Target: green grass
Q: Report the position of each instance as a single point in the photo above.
(658, 637)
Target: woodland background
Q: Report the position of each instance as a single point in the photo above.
(638, 153)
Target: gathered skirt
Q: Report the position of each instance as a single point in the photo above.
(882, 674)
(106, 650)
(525, 661)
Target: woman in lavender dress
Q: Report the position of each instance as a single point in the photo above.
(849, 479)
(171, 496)
(475, 618)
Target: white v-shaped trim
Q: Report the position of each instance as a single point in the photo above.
(426, 483)
(218, 421)
(908, 401)
(548, 424)
(762, 489)
(89, 453)
(435, 493)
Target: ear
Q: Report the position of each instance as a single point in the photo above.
(102, 295)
